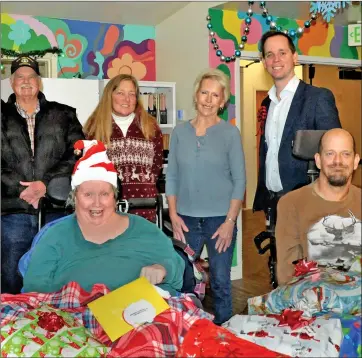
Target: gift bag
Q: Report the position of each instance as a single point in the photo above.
(352, 334)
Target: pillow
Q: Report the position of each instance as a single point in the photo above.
(318, 292)
(48, 332)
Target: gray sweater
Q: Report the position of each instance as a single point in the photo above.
(205, 173)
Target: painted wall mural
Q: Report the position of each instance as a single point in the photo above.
(321, 39)
(91, 49)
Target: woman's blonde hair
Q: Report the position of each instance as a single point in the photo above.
(214, 74)
(99, 124)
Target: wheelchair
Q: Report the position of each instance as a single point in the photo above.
(305, 145)
(55, 202)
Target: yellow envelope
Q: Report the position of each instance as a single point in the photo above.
(128, 307)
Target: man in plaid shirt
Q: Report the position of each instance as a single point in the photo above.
(37, 138)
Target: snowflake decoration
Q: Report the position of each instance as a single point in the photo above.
(328, 9)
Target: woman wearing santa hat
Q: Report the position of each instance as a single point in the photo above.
(96, 244)
(133, 139)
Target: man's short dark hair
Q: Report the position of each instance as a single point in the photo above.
(320, 144)
(270, 34)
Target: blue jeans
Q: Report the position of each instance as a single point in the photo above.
(17, 234)
(200, 233)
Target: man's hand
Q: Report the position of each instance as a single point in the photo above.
(34, 191)
(154, 273)
(224, 234)
(178, 228)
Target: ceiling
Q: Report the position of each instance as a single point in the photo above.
(296, 10)
(148, 13)
(151, 13)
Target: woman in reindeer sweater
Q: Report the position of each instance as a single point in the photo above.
(133, 139)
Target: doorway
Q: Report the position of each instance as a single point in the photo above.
(347, 93)
(254, 83)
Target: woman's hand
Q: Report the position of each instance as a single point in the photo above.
(178, 228)
(154, 273)
(225, 235)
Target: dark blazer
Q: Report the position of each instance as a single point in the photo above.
(56, 130)
(311, 108)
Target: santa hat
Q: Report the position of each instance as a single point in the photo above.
(94, 165)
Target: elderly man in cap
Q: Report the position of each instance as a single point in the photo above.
(37, 138)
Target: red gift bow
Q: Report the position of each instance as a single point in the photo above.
(303, 266)
(292, 318)
(261, 116)
(51, 322)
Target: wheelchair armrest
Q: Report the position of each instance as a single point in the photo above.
(55, 197)
(142, 203)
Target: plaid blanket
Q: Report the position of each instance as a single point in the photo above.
(161, 338)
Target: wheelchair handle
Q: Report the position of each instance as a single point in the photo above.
(259, 239)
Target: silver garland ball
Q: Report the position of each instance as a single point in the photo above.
(313, 16)
(222, 58)
(233, 58)
(300, 30)
(241, 46)
(273, 25)
(212, 33)
(216, 46)
(286, 32)
(250, 12)
(246, 30)
(265, 11)
(208, 17)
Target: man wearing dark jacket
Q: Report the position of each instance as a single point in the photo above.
(37, 138)
(292, 105)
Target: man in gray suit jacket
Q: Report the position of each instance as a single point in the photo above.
(291, 105)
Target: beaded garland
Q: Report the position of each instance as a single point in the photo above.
(248, 19)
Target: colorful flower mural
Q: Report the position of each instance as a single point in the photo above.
(19, 33)
(91, 49)
(126, 65)
(321, 39)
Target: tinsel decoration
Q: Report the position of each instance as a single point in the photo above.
(35, 53)
(292, 33)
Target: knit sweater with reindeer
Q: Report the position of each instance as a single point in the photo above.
(308, 226)
(138, 162)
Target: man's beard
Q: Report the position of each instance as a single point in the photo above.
(338, 180)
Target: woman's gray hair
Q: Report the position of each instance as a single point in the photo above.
(214, 74)
(71, 197)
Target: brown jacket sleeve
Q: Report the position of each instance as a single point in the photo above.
(288, 241)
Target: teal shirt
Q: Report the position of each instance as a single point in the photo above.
(63, 255)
